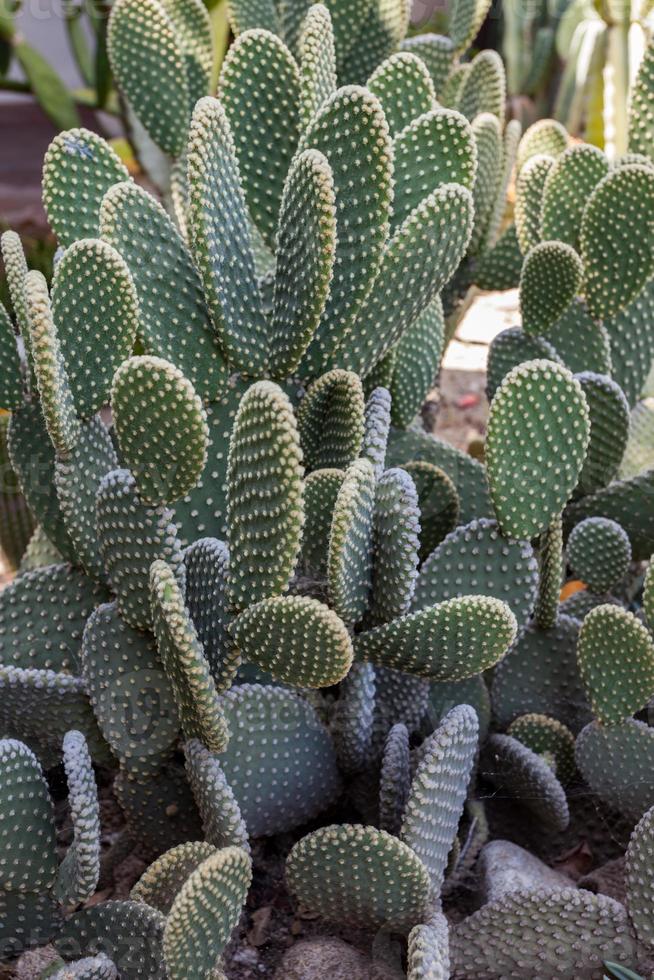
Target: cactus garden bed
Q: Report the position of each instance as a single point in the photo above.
(279, 666)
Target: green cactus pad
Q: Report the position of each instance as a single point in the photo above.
(533, 468)
(174, 320)
(78, 170)
(571, 181)
(552, 569)
(509, 253)
(431, 242)
(193, 29)
(245, 15)
(352, 719)
(377, 428)
(161, 427)
(631, 336)
(78, 874)
(522, 775)
(161, 883)
(466, 18)
(39, 552)
(404, 87)
(77, 478)
(297, 639)
(439, 789)
(490, 152)
(142, 46)
(27, 830)
(616, 265)
(184, 661)
(132, 536)
(550, 280)
(42, 617)
(484, 87)
(27, 920)
(609, 430)
(131, 696)
(272, 727)
(599, 553)
(33, 458)
(640, 900)
(466, 473)
(394, 779)
(547, 136)
(540, 933)
(222, 822)
(511, 348)
(205, 912)
(477, 560)
(436, 51)
(317, 65)
(306, 247)
(16, 270)
(448, 641)
(530, 187)
(616, 763)
(11, 382)
(616, 662)
(580, 603)
(352, 117)
(131, 933)
(98, 967)
(41, 706)
(96, 311)
(321, 490)
(428, 955)
(207, 572)
(500, 267)
(159, 810)
(417, 358)
(648, 594)
(57, 402)
(331, 421)
(641, 107)
(265, 512)
(360, 874)
(581, 343)
(220, 238)
(446, 695)
(398, 698)
(396, 543)
(259, 88)
(437, 148)
(384, 28)
(639, 452)
(540, 675)
(349, 561)
(628, 502)
(547, 736)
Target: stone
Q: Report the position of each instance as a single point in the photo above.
(504, 867)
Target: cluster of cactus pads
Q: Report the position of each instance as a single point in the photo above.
(256, 593)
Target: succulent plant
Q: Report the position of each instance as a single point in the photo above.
(257, 596)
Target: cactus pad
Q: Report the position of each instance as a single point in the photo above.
(616, 266)
(207, 570)
(428, 955)
(27, 830)
(132, 536)
(297, 639)
(160, 884)
(417, 359)
(331, 421)
(582, 343)
(131, 933)
(439, 789)
(320, 492)
(396, 530)
(360, 874)
(546, 136)
(268, 723)
(571, 181)
(351, 723)
(628, 503)
(609, 430)
(394, 779)
(547, 737)
(616, 662)
(477, 560)
(599, 553)
(222, 822)
(78, 874)
(550, 279)
(640, 899)
(448, 641)
(404, 87)
(265, 511)
(529, 197)
(538, 434)
(78, 170)
(616, 762)
(510, 348)
(349, 562)
(204, 913)
(522, 775)
(161, 428)
(184, 661)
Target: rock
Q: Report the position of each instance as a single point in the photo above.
(504, 867)
(315, 959)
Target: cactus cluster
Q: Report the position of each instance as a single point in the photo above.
(258, 597)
